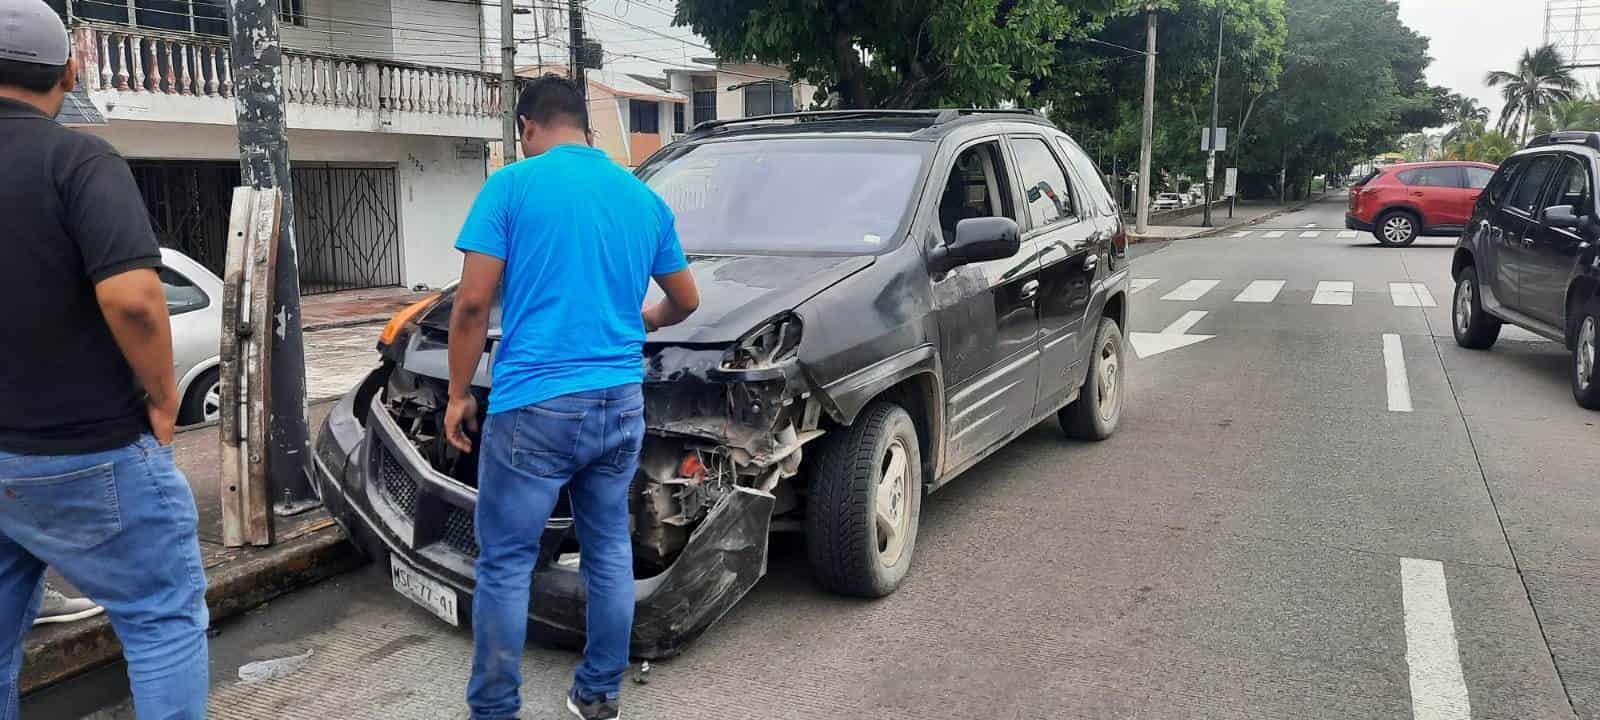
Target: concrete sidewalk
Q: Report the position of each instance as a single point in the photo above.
(310, 547)
(1187, 225)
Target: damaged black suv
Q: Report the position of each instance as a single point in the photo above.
(887, 298)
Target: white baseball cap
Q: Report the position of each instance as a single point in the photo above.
(31, 32)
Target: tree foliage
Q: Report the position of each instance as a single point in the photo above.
(1474, 140)
(1540, 80)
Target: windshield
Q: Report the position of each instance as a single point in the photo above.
(790, 196)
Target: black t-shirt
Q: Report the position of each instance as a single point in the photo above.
(70, 216)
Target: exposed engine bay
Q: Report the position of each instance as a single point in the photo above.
(717, 418)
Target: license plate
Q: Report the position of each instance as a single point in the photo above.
(438, 598)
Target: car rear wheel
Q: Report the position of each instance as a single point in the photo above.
(1585, 374)
(1094, 415)
(1473, 327)
(1397, 228)
(203, 402)
(865, 503)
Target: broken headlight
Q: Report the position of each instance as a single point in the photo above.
(770, 345)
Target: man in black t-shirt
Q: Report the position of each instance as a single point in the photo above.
(87, 394)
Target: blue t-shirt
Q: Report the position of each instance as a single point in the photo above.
(581, 238)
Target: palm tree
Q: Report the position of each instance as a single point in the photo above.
(1463, 111)
(1575, 114)
(1541, 78)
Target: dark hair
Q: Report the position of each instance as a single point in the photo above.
(552, 100)
(32, 77)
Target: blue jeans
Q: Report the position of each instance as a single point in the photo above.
(588, 442)
(120, 525)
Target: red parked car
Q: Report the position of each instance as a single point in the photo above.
(1397, 203)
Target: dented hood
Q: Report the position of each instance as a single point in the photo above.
(737, 293)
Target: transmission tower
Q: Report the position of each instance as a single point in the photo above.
(1573, 27)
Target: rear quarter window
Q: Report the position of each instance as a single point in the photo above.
(1494, 193)
(1090, 181)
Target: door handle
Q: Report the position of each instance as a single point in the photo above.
(1527, 242)
(1030, 290)
(1091, 262)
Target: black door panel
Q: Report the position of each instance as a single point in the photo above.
(1552, 252)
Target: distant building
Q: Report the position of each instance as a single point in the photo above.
(630, 118)
(732, 90)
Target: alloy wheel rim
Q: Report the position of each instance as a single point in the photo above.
(211, 403)
(1397, 229)
(891, 513)
(1586, 353)
(1110, 380)
(1464, 306)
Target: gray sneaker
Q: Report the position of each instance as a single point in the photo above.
(599, 708)
(58, 608)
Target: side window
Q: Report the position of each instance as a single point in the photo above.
(975, 188)
(1478, 178)
(1090, 181)
(1044, 184)
(1432, 177)
(182, 295)
(1572, 187)
(1530, 183)
(1495, 193)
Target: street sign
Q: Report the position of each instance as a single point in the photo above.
(1211, 168)
(1230, 183)
(1222, 139)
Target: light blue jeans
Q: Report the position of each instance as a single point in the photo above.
(120, 525)
(590, 440)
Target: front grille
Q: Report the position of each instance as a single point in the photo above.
(397, 484)
(459, 532)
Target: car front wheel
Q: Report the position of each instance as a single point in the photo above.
(1473, 327)
(865, 503)
(1585, 384)
(203, 402)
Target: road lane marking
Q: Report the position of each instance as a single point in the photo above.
(1411, 294)
(1182, 324)
(1347, 234)
(1394, 367)
(1191, 290)
(1274, 234)
(1142, 283)
(1241, 233)
(1334, 292)
(1438, 691)
(1311, 234)
(1171, 337)
(1260, 291)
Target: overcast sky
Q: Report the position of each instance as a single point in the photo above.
(1468, 38)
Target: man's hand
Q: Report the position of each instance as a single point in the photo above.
(462, 411)
(163, 421)
(681, 299)
(135, 308)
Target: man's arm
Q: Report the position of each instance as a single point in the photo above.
(135, 308)
(469, 331)
(682, 299)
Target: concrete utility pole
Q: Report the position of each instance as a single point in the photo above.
(264, 163)
(1147, 137)
(575, 47)
(1216, 96)
(508, 80)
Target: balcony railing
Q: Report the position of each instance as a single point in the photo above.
(145, 61)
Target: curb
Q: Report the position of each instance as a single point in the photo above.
(1212, 231)
(232, 588)
(337, 324)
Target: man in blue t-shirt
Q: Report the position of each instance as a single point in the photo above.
(574, 239)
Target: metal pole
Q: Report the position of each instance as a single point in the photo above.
(264, 163)
(1147, 136)
(508, 81)
(575, 48)
(1216, 95)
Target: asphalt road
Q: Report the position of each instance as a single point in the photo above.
(1287, 525)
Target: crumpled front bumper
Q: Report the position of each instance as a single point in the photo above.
(390, 501)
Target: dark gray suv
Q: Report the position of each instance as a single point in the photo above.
(1528, 256)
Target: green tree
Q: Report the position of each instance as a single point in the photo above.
(1540, 79)
(1475, 141)
(897, 53)
(1574, 114)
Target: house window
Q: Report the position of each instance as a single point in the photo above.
(644, 116)
(292, 12)
(705, 105)
(768, 98)
(677, 118)
(206, 17)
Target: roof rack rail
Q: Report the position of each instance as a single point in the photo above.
(934, 116)
(1567, 137)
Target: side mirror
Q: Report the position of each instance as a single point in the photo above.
(978, 240)
(1566, 217)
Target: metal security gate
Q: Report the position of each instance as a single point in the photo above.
(346, 218)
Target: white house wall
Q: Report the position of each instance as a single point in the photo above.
(201, 110)
(345, 28)
(436, 177)
(424, 32)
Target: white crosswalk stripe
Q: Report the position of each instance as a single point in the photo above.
(1311, 234)
(1274, 234)
(1411, 294)
(1191, 290)
(1142, 283)
(1260, 291)
(1241, 233)
(1334, 292)
(1347, 234)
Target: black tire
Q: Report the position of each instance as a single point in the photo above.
(1586, 355)
(1094, 416)
(1474, 328)
(1397, 228)
(193, 409)
(845, 540)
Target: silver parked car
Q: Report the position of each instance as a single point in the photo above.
(194, 301)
